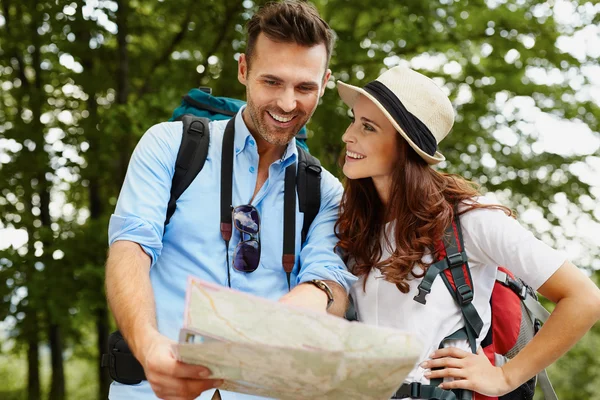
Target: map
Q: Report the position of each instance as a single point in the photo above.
(265, 348)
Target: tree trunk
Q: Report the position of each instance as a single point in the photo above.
(57, 386)
(123, 87)
(33, 358)
(101, 314)
(102, 331)
(31, 331)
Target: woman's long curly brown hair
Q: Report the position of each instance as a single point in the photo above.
(421, 201)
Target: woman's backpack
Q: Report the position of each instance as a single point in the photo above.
(516, 317)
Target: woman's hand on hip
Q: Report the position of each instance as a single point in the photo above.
(470, 371)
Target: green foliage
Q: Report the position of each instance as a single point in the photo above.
(12, 376)
(575, 376)
(79, 88)
(81, 382)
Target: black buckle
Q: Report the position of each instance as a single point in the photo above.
(537, 325)
(415, 390)
(195, 130)
(412, 390)
(315, 169)
(420, 298)
(517, 286)
(455, 260)
(464, 294)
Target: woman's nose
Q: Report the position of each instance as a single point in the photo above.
(348, 136)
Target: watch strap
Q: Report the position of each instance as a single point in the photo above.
(324, 287)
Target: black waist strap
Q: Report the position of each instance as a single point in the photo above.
(416, 390)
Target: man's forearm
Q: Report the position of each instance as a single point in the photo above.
(309, 296)
(130, 294)
(340, 299)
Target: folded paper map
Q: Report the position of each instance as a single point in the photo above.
(265, 348)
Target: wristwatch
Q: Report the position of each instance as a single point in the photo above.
(324, 287)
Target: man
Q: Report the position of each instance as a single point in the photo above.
(284, 69)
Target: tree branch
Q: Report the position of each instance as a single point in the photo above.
(166, 53)
(123, 68)
(229, 13)
(13, 47)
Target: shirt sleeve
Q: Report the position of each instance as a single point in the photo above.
(141, 209)
(492, 237)
(318, 259)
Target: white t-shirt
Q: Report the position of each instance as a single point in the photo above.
(491, 238)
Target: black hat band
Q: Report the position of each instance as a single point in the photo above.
(416, 130)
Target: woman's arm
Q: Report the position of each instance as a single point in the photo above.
(577, 308)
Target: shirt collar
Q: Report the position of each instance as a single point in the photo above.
(243, 138)
(242, 134)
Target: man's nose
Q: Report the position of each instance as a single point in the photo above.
(287, 100)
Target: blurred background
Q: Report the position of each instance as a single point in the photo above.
(81, 81)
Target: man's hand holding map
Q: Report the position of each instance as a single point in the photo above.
(264, 348)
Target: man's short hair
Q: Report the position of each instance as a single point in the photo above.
(289, 21)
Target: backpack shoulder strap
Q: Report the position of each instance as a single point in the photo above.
(459, 282)
(289, 222)
(308, 181)
(191, 156)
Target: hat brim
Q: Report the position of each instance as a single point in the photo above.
(349, 94)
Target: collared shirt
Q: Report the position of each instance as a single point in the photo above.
(192, 244)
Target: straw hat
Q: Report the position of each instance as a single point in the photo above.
(413, 103)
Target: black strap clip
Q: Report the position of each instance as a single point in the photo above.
(420, 298)
(456, 260)
(315, 169)
(198, 127)
(464, 294)
(415, 390)
(517, 286)
(412, 390)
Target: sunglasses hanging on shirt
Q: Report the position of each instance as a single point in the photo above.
(246, 256)
(246, 219)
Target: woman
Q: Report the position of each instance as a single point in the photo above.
(395, 211)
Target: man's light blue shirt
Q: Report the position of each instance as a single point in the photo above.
(192, 242)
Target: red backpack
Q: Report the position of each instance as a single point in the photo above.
(516, 317)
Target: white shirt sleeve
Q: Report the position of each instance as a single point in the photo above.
(493, 238)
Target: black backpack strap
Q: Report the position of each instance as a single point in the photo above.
(191, 156)
(453, 258)
(459, 282)
(289, 222)
(455, 272)
(226, 186)
(309, 188)
(416, 390)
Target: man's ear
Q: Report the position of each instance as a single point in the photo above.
(325, 80)
(242, 69)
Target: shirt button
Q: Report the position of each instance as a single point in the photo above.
(251, 142)
(251, 169)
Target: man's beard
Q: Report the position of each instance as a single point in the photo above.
(269, 133)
